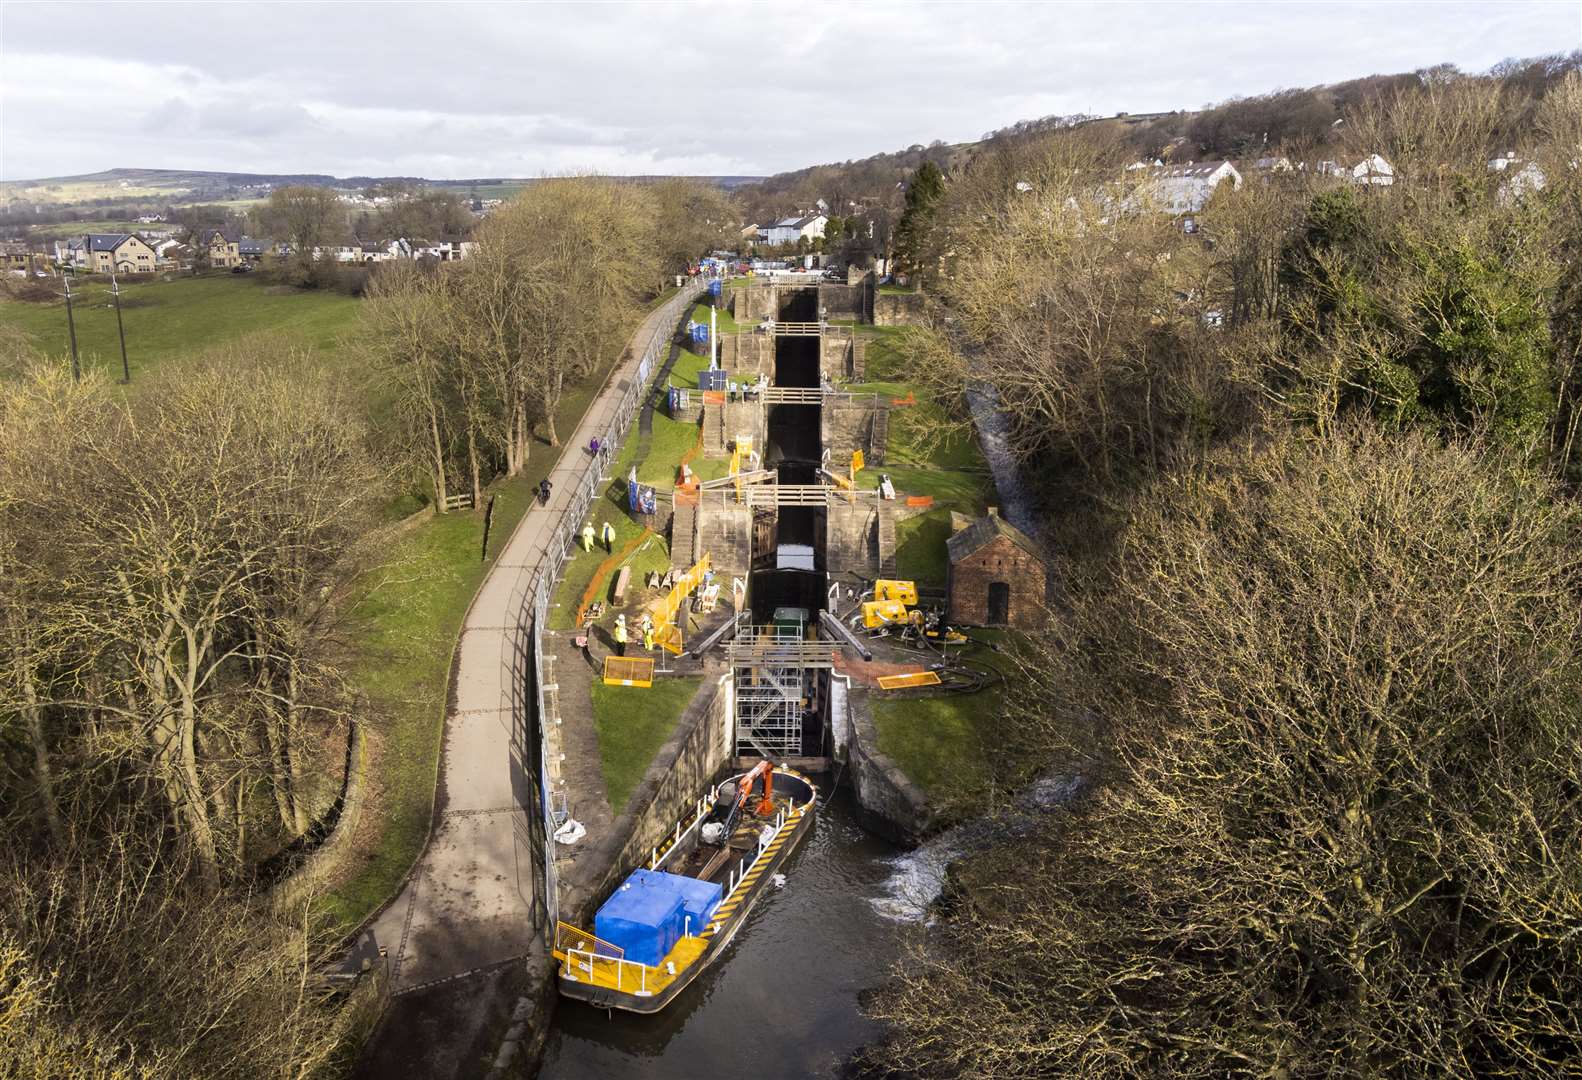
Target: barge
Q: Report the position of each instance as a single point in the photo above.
(676, 914)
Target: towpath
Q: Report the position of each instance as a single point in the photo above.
(467, 902)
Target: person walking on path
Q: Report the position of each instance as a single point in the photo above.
(587, 537)
(620, 634)
(607, 534)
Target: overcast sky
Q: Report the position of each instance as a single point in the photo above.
(460, 90)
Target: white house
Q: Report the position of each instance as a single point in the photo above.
(1184, 189)
(789, 230)
(1373, 170)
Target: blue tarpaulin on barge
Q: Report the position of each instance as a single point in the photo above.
(651, 910)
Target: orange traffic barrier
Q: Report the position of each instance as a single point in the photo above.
(920, 500)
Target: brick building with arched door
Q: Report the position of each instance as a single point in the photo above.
(996, 576)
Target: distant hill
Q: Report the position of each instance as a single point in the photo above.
(192, 185)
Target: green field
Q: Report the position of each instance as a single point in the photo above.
(169, 321)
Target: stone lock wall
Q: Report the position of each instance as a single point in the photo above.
(889, 802)
(897, 309)
(849, 536)
(746, 418)
(725, 530)
(747, 353)
(751, 303)
(842, 301)
(848, 424)
(835, 353)
(1001, 559)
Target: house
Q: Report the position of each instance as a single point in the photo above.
(1185, 189)
(224, 249)
(150, 219)
(171, 251)
(1373, 170)
(108, 253)
(18, 258)
(996, 576)
(791, 229)
(254, 249)
(1272, 164)
(455, 250)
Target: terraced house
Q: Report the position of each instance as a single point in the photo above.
(108, 253)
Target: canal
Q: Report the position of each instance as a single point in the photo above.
(781, 1004)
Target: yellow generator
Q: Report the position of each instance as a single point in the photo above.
(904, 591)
(877, 613)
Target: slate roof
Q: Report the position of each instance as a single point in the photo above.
(251, 246)
(985, 529)
(107, 241)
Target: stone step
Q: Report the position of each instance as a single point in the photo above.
(886, 541)
(714, 429)
(879, 437)
(683, 536)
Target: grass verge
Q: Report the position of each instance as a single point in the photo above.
(633, 723)
(940, 742)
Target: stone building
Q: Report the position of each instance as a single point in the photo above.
(996, 575)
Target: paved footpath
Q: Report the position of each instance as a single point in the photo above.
(466, 903)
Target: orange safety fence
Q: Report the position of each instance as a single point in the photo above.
(602, 572)
(713, 397)
(920, 500)
(910, 399)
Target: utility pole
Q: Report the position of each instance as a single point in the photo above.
(71, 327)
(115, 291)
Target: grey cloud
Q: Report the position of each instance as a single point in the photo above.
(492, 89)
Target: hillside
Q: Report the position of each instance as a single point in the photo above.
(190, 185)
(1297, 121)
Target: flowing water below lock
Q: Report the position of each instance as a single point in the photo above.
(781, 1004)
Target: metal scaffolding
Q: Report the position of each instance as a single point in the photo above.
(770, 666)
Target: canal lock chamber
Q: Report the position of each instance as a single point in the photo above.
(782, 707)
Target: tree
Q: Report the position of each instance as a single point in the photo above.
(306, 219)
(1320, 696)
(691, 219)
(914, 233)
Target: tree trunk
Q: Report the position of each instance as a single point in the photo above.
(32, 715)
(439, 463)
(293, 759)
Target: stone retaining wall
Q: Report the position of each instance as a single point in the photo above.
(889, 803)
(897, 309)
(698, 749)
